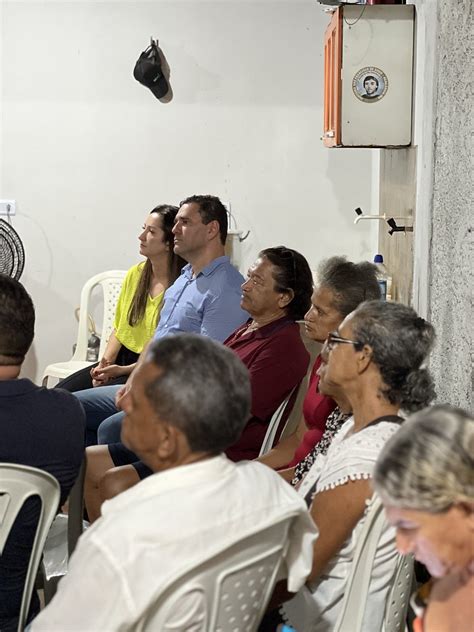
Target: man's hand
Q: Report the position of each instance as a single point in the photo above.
(123, 390)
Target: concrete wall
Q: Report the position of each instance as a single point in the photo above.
(86, 151)
(444, 246)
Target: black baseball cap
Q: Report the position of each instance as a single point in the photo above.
(149, 73)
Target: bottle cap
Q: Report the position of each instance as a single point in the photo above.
(378, 259)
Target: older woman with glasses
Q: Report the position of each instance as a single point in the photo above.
(425, 477)
(276, 293)
(375, 357)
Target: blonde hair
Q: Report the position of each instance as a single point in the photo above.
(428, 464)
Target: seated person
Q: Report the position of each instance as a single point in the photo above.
(425, 478)
(276, 294)
(204, 299)
(375, 357)
(139, 304)
(195, 504)
(340, 287)
(39, 427)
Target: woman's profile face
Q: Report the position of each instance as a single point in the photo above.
(341, 362)
(322, 317)
(443, 542)
(151, 238)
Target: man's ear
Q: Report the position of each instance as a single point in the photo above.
(285, 298)
(166, 440)
(213, 229)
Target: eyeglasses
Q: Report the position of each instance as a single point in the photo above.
(333, 340)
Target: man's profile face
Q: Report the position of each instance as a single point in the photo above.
(190, 234)
(371, 86)
(141, 424)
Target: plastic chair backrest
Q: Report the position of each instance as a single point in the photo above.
(357, 588)
(229, 592)
(17, 484)
(111, 284)
(75, 527)
(294, 418)
(274, 423)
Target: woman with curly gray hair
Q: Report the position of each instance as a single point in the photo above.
(425, 478)
(375, 357)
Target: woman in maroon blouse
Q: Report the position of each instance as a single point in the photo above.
(341, 286)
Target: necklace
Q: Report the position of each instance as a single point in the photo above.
(252, 326)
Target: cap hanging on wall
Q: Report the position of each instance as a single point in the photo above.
(148, 70)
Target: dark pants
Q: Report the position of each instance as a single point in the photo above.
(81, 380)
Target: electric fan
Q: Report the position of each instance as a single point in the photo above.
(12, 253)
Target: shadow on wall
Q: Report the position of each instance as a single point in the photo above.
(30, 365)
(53, 339)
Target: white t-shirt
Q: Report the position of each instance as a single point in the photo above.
(351, 456)
(170, 521)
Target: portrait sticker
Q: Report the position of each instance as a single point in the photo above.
(370, 84)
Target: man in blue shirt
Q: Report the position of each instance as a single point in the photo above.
(205, 299)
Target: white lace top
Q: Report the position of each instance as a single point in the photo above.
(351, 456)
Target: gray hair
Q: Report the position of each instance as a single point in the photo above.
(400, 341)
(428, 464)
(351, 283)
(203, 389)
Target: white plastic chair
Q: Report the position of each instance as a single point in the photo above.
(17, 484)
(274, 423)
(294, 415)
(111, 284)
(357, 588)
(227, 593)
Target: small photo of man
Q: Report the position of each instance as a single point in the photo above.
(371, 87)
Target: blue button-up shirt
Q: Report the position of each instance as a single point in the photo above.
(207, 304)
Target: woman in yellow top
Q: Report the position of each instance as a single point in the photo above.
(139, 304)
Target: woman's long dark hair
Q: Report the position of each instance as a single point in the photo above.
(175, 263)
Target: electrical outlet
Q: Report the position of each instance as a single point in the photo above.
(7, 207)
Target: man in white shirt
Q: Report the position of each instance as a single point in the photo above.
(189, 401)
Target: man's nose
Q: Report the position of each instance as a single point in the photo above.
(245, 284)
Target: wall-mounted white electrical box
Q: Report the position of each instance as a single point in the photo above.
(7, 207)
(368, 79)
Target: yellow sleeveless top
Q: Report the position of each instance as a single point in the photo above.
(135, 338)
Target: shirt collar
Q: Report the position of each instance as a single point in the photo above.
(16, 387)
(267, 330)
(209, 269)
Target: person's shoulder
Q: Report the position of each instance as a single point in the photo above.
(253, 472)
(135, 271)
(228, 273)
(61, 401)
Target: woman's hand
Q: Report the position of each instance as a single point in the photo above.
(96, 371)
(103, 374)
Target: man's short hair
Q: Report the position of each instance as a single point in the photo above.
(210, 209)
(203, 389)
(17, 321)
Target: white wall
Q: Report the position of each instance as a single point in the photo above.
(86, 151)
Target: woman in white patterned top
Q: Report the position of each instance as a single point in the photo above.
(376, 358)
